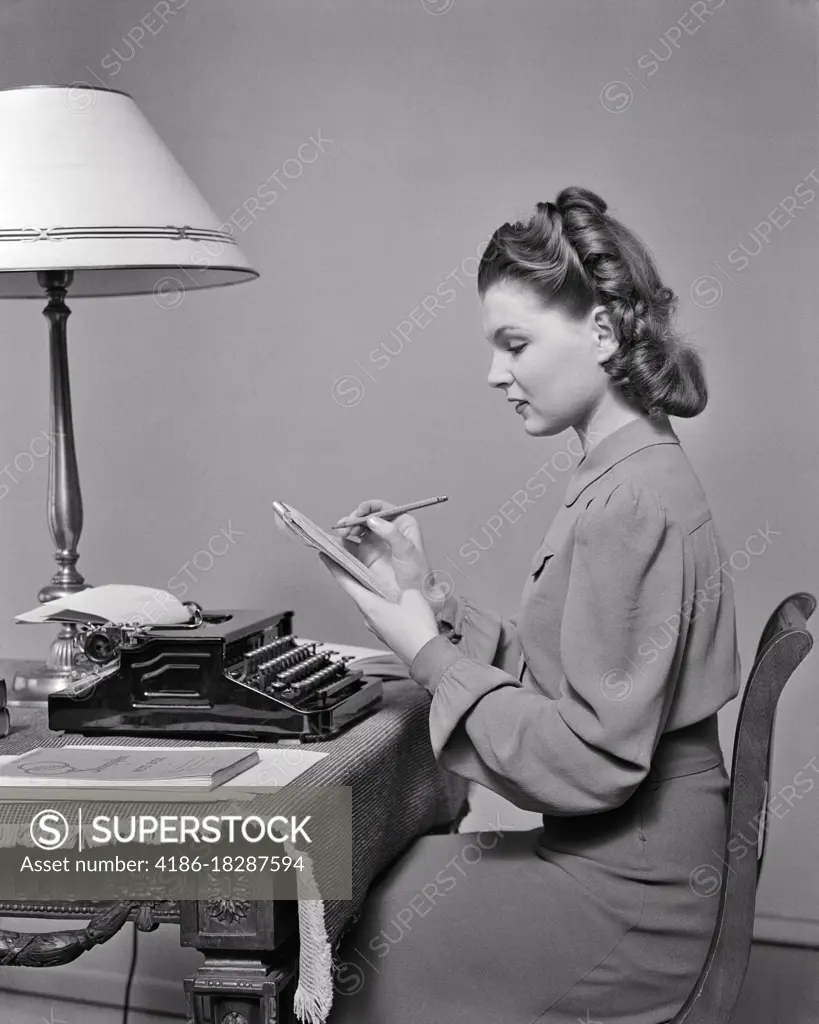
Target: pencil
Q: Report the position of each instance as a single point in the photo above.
(391, 513)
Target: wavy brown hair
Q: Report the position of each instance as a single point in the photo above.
(575, 256)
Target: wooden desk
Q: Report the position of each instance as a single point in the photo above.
(250, 948)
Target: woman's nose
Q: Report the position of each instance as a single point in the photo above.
(499, 375)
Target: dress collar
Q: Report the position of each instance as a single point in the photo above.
(616, 446)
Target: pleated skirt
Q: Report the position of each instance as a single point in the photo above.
(602, 918)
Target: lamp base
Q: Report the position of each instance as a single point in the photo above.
(64, 503)
(34, 681)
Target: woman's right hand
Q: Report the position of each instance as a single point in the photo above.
(404, 564)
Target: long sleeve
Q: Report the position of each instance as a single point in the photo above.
(485, 636)
(587, 750)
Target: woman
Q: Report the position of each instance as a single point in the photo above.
(595, 705)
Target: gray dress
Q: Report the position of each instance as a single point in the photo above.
(594, 705)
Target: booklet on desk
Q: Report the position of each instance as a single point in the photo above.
(126, 767)
(312, 535)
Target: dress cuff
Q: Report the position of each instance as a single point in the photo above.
(430, 663)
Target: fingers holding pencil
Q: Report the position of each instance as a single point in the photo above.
(350, 530)
(354, 529)
(385, 510)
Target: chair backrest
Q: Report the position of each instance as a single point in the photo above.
(785, 642)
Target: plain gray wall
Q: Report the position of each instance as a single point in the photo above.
(443, 125)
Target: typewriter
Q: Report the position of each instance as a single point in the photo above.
(239, 674)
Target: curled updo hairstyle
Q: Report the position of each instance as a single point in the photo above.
(576, 256)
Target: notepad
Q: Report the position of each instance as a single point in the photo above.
(78, 767)
(312, 535)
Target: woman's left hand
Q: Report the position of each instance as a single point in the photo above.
(404, 625)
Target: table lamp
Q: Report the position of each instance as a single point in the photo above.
(92, 204)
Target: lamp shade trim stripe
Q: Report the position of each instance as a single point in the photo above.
(34, 234)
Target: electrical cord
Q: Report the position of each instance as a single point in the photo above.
(131, 971)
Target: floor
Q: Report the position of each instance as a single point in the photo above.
(16, 1008)
(781, 987)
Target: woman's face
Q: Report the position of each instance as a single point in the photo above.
(545, 360)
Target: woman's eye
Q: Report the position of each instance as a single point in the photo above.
(516, 349)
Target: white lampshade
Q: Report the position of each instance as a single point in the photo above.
(87, 185)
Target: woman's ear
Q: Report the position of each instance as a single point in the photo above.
(605, 338)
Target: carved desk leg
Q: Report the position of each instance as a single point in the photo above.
(249, 973)
(240, 990)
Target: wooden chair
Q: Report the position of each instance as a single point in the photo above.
(784, 644)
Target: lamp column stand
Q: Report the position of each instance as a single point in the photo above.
(64, 499)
